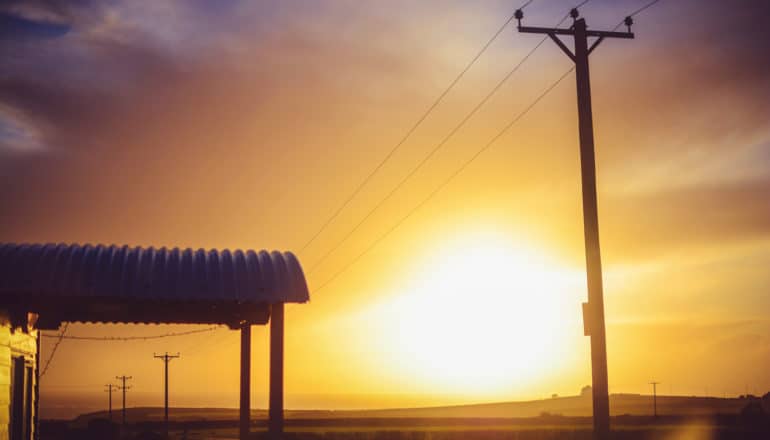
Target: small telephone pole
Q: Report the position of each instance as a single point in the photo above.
(110, 389)
(124, 388)
(166, 358)
(655, 398)
(593, 310)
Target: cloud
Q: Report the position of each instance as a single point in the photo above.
(673, 220)
(17, 134)
(285, 83)
(117, 113)
(48, 12)
(685, 100)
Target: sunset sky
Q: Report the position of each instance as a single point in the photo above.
(239, 124)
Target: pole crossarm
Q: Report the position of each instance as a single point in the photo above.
(571, 31)
(166, 357)
(554, 32)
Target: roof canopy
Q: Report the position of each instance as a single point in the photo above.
(132, 284)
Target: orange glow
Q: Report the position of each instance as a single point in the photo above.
(482, 313)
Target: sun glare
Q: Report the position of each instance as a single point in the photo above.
(486, 315)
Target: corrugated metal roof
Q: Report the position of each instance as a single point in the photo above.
(38, 273)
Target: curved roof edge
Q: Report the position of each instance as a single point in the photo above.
(32, 273)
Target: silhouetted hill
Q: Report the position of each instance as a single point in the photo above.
(574, 406)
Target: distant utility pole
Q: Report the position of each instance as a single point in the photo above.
(110, 389)
(124, 388)
(655, 398)
(166, 358)
(593, 310)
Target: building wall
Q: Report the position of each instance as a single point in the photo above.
(14, 342)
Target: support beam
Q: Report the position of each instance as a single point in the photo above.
(245, 420)
(562, 46)
(275, 424)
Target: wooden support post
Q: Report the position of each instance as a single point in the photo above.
(275, 424)
(245, 421)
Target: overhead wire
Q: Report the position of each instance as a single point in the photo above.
(435, 149)
(459, 170)
(640, 10)
(129, 338)
(445, 182)
(635, 13)
(409, 132)
(55, 347)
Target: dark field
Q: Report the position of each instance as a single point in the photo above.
(540, 428)
(559, 418)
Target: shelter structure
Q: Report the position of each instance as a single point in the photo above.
(44, 285)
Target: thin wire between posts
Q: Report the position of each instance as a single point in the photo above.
(130, 338)
(642, 9)
(410, 131)
(435, 150)
(60, 336)
(445, 182)
(635, 13)
(459, 170)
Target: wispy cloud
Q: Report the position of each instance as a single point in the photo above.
(17, 134)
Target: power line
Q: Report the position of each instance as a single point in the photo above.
(60, 336)
(643, 8)
(445, 182)
(129, 338)
(453, 175)
(409, 132)
(435, 149)
(635, 13)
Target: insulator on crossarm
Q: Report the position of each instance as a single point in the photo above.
(628, 21)
(519, 14)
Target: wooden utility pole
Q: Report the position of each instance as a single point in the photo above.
(166, 358)
(593, 311)
(655, 398)
(110, 388)
(124, 388)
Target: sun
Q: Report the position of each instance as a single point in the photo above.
(486, 313)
